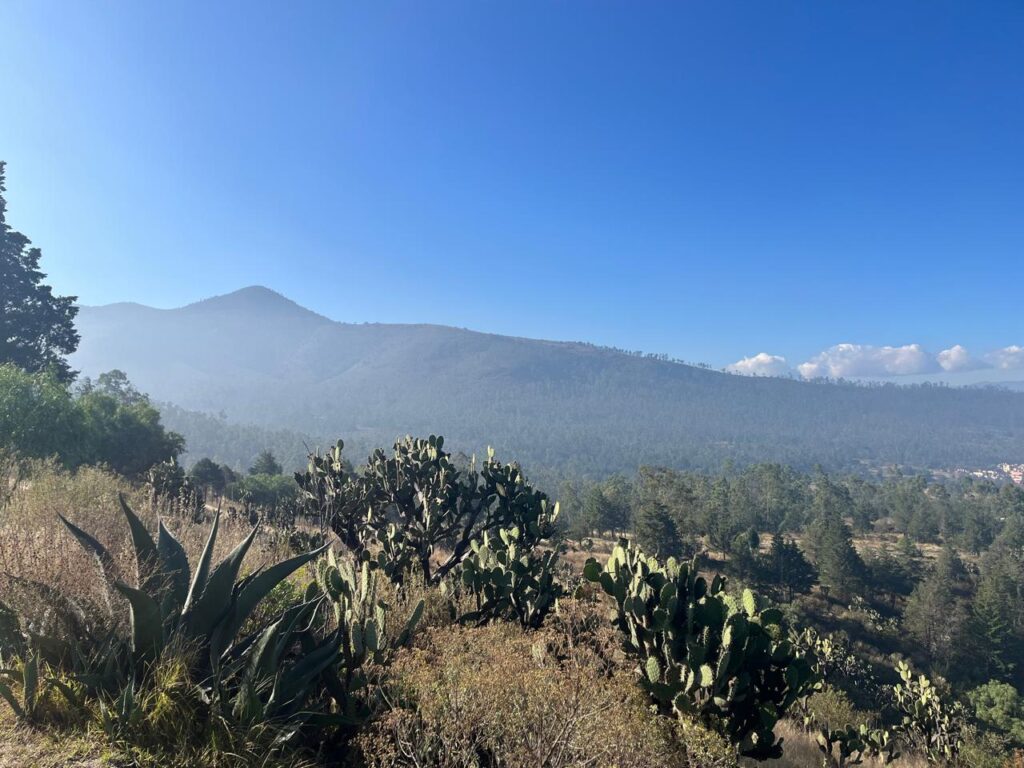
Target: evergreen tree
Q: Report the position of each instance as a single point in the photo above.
(655, 532)
(891, 575)
(830, 543)
(209, 475)
(266, 464)
(934, 616)
(37, 329)
(785, 568)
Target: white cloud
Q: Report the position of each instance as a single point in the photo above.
(957, 358)
(853, 360)
(761, 364)
(1007, 358)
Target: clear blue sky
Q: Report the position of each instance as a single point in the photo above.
(708, 180)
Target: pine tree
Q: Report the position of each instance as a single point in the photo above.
(266, 464)
(37, 329)
(934, 616)
(830, 543)
(785, 568)
(655, 532)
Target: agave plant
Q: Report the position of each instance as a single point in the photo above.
(266, 675)
(205, 607)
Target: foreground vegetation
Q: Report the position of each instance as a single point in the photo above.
(407, 646)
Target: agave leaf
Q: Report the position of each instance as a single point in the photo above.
(214, 603)
(147, 623)
(263, 582)
(410, 625)
(90, 545)
(203, 568)
(30, 683)
(173, 567)
(145, 549)
(293, 684)
(8, 695)
(274, 641)
(69, 693)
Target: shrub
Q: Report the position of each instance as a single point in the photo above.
(999, 707)
(494, 696)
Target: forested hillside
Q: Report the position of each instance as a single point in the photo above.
(259, 358)
(236, 445)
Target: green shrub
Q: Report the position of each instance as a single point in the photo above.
(999, 707)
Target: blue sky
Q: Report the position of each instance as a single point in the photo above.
(709, 180)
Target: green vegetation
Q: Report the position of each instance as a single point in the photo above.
(37, 328)
(40, 416)
(704, 652)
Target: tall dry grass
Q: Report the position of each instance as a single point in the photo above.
(36, 549)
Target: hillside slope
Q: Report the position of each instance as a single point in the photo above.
(259, 358)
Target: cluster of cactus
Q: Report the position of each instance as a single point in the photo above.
(851, 744)
(929, 721)
(704, 652)
(360, 617)
(834, 663)
(400, 510)
(509, 581)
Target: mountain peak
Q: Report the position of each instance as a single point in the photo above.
(254, 298)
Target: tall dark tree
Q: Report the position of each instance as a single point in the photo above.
(935, 616)
(655, 531)
(209, 475)
(830, 542)
(37, 329)
(266, 464)
(894, 576)
(785, 568)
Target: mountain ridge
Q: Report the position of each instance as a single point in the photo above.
(261, 358)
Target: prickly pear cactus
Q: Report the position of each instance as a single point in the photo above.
(851, 744)
(360, 618)
(930, 722)
(509, 581)
(401, 509)
(703, 652)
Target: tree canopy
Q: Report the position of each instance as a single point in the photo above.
(37, 329)
(40, 416)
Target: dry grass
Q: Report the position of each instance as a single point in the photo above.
(499, 696)
(22, 746)
(35, 546)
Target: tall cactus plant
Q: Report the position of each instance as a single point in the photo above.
(703, 652)
(510, 582)
(360, 618)
(929, 721)
(400, 511)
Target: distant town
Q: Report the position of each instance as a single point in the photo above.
(1012, 472)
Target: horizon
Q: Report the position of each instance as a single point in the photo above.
(742, 186)
(975, 377)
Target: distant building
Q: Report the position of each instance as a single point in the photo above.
(1013, 471)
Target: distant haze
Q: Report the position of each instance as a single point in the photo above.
(259, 358)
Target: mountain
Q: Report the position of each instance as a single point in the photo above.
(256, 357)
